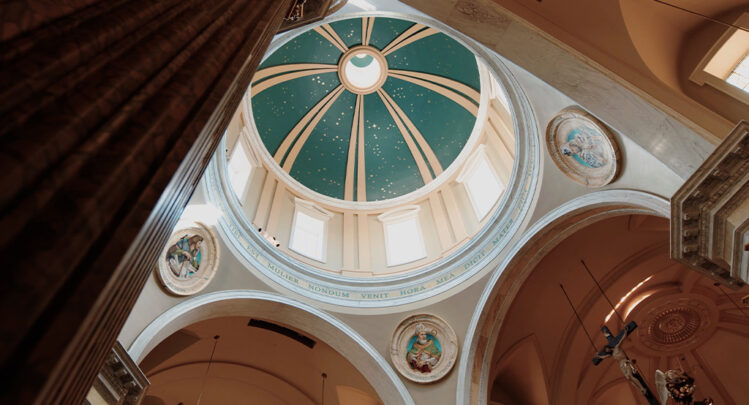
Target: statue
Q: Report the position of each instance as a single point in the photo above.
(424, 351)
(613, 349)
(678, 385)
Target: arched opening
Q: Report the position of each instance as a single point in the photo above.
(684, 320)
(175, 351)
(220, 360)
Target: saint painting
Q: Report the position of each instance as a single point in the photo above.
(424, 350)
(189, 260)
(184, 256)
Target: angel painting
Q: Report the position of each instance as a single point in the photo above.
(586, 147)
(184, 256)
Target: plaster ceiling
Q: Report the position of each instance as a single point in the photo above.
(250, 365)
(372, 141)
(643, 34)
(683, 321)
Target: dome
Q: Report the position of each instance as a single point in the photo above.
(366, 109)
(375, 160)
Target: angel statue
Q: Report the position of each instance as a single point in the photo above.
(678, 385)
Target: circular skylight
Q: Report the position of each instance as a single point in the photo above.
(362, 70)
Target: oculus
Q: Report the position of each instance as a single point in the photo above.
(424, 348)
(188, 261)
(583, 148)
(362, 70)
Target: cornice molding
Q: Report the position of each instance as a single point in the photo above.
(704, 235)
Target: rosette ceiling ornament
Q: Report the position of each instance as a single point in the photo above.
(366, 109)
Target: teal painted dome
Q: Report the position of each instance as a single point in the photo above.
(366, 109)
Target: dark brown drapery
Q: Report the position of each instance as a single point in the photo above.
(110, 111)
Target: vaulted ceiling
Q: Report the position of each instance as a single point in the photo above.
(543, 355)
(247, 364)
(375, 142)
(648, 43)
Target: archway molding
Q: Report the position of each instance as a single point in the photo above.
(506, 280)
(273, 307)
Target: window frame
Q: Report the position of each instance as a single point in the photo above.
(244, 143)
(312, 210)
(469, 170)
(716, 77)
(397, 216)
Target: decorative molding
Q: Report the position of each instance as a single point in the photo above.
(675, 323)
(119, 382)
(709, 212)
(303, 12)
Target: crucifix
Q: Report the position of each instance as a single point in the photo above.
(613, 346)
(613, 349)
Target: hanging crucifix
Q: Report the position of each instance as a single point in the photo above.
(613, 349)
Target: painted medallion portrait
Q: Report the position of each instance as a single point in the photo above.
(189, 260)
(424, 348)
(583, 148)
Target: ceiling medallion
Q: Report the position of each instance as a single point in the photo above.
(424, 348)
(677, 324)
(362, 69)
(189, 260)
(583, 148)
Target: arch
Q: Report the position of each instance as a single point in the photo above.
(322, 325)
(505, 282)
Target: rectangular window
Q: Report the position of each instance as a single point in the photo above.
(308, 236)
(483, 186)
(239, 169)
(403, 241)
(739, 77)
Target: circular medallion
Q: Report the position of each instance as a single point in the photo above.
(424, 348)
(189, 260)
(362, 69)
(583, 148)
(674, 324)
